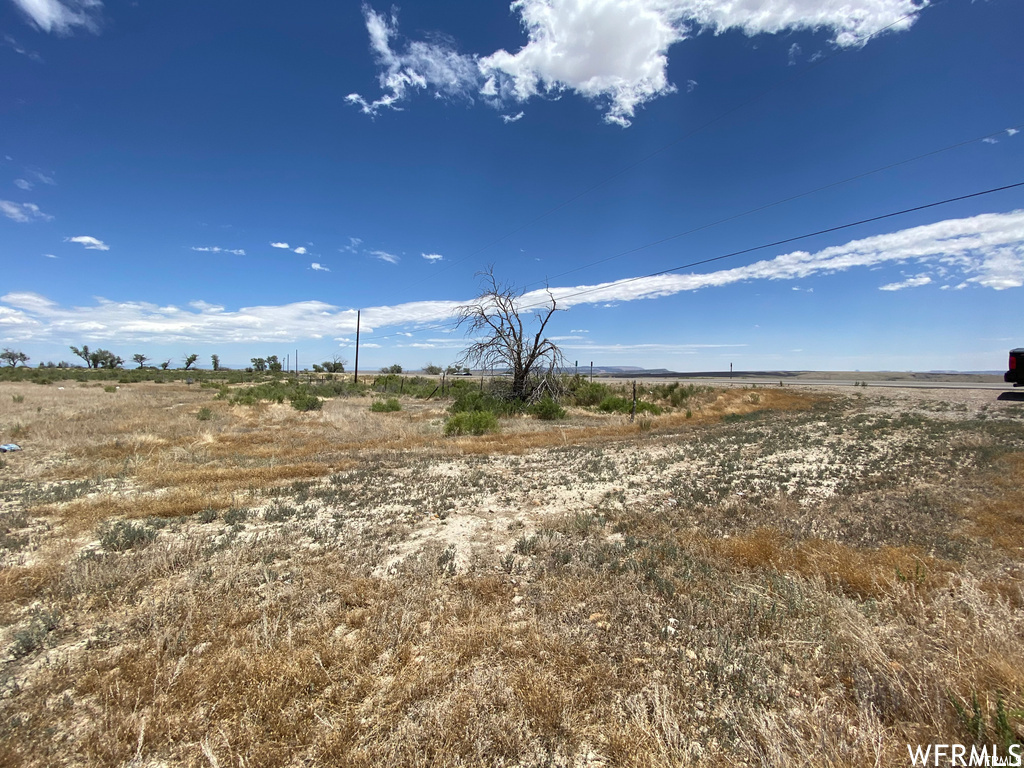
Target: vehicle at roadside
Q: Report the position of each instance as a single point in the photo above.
(1015, 374)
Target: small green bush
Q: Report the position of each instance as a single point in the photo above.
(547, 409)
(122, 535)
(109, 388)
(590, 393)
(18, 398)
(471, 423)
(615, 404)
(386, 406)
(205, 414)
(235, 515)
(475, 401)
(306, 401)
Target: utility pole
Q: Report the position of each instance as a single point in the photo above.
(591, 370)
(356, 380)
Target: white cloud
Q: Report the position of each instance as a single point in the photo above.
(218, 249)
(370, 345)
(434, 66)
(794, 53)
(512, 118)
(17, 47)
(1012, 131)
(280, 245)
(41, 177)
(301, 250)
(433, 257)
(390, 258)
(23, 184)
(984, 251)
(988, 250)
(990, 140)
(23, 212)
(353, 245)
(49, 256)
(90, 243)
(317, 267)
(912, 282)
(614, 52)
(62, 16)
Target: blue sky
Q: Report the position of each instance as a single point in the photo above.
(239, 177)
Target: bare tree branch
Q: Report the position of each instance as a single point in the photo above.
(495, 321)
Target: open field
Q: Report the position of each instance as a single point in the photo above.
(772, 576)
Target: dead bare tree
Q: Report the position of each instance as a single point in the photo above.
(495, 321)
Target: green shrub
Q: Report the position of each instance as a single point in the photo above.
(18, 398)
(616, 404)
(475, 401)
(386, 406)
(471, 423)
(122, 535)
(109, 388)
(547, 409)
(306, 401)
(590, 393)
(205, 414)
(235, 515)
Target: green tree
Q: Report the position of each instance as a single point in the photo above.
(84, 354)
(273, 364)
(432, 370)
(215, 360)
(103, 358)
(259, 364)
(190, 361)
(396, 368)
(164, 364)
(12, 358)
(140, 359)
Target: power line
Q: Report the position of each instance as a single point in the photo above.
(721, 116)
(784, 241)
(732, 254)
(766, 206)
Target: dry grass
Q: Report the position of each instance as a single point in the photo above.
(780, 579)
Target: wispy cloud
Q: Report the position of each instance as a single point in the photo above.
(390, 258)
(433, 66)
(62, 16)
(990, 140)
(23, 184)
(285, 246)
(912, 282)
(614, 53)
(980, 251)
(512, 118)
(433, 257)
(23, 212)
(353, 245)
(218, 249)
(10, 42)
(317, 267)
(90, 243)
